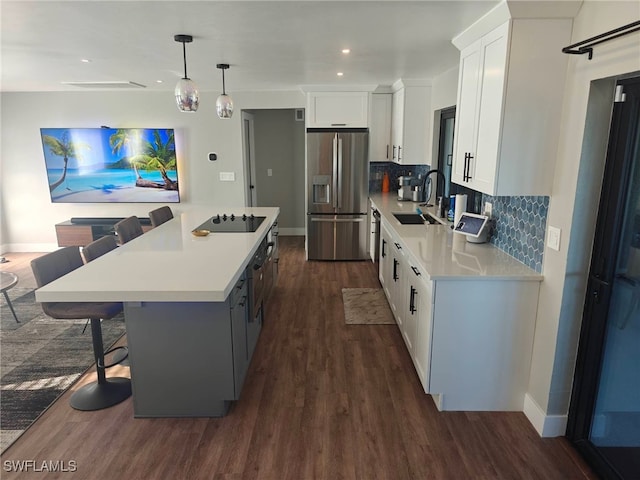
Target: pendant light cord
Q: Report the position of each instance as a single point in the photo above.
(184, 56)
(223, 90)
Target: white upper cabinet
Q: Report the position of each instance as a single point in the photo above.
(380, 128)
(509, 107)
(338, 110)
(410, 124)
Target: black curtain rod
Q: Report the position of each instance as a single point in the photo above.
(586, 46)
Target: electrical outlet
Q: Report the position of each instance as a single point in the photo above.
(269, 172)
(553, 238)
(227, 176)
(488, 209)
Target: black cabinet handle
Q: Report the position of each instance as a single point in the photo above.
(412, 301)
(384, 244)
(415, 270)
(243, 302)
(467, 166)
(395, 270)
(387, 151)
(398, 246)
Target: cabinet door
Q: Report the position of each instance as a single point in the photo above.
(423, 301)
(397, 125)
(338, 109)
(385, 270)
(241, 357)
(487, 151)
(466, 109)
(398, 283)
(380, 128)
(412, 275)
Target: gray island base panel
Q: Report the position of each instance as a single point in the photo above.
(181, 357)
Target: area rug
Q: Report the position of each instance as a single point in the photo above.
(40, 357)
(366, 306)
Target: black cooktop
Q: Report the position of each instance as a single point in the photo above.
(232, 223)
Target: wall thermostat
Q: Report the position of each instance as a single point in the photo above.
(213, 157)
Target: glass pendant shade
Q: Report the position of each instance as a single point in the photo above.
(224, 106)
(186, 91)
(187, 95)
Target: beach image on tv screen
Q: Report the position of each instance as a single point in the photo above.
(94, 165)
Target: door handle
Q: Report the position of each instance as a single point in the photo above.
(334, 203)
(339, 173)
(412, 300)
(338, 220)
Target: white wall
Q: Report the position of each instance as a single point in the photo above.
(563, 289)
(28, 216)
(444, 92)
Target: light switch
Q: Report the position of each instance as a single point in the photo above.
(269, 172)
(553, 238)
(227, 176)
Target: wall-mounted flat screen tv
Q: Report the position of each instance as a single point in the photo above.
(104, 165)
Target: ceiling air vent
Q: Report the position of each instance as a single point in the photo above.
(116, 84)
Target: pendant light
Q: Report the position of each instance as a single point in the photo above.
(224, 104)
(186, 90)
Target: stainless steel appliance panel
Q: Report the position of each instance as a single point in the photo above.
(338, 187)
(353, 172)
(337, 237)
(321, 165)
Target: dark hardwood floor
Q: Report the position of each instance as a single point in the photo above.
(322, 400)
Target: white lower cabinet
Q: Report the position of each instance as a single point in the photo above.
(421, 290)
(470, 339)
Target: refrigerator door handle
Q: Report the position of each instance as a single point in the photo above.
(335, 171)
(337, 220)
(339, 191)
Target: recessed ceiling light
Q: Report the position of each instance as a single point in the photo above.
(85, 60)
(340, 74)
(158, 81)
(346, 51)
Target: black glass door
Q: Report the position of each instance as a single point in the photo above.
(604, 418)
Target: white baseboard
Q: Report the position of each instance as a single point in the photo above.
(291, 232)
(29, 247)
(545, 425)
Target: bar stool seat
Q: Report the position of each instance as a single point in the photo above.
(105, 392)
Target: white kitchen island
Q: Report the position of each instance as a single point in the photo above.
(466, 311)
(185, 310)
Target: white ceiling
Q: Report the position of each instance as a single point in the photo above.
(271, 45)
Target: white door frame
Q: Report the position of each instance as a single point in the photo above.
(249, 160)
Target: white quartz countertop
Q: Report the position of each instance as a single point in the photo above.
(167, 263)
(445, 255)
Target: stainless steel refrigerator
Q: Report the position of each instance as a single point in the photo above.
(337, 194)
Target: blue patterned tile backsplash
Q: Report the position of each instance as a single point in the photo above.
(520, 227)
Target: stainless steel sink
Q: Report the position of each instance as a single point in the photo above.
(413, 218)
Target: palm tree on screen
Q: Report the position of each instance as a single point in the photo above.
(122, 139)
(65, 148)
(159, 155)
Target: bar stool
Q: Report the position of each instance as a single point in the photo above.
(160, 215)
(96, 249)
(105, 392)
(128, 229)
